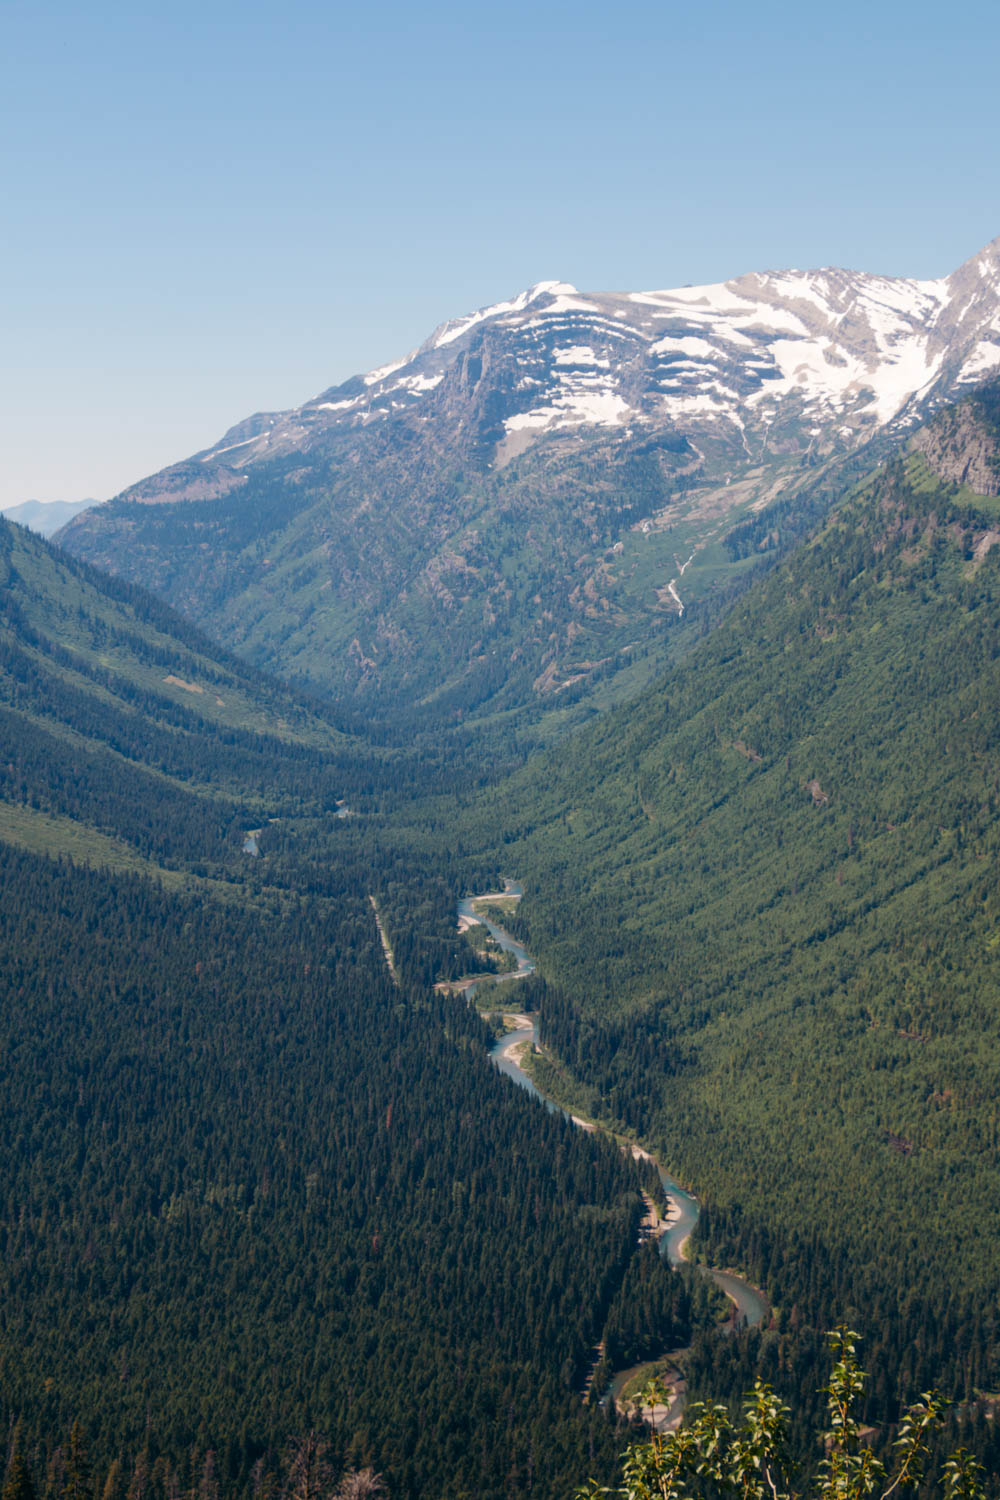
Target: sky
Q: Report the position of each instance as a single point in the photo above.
(214, 209)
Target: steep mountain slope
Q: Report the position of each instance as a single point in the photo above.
(106, 624)
(126, 737)
(766, 901)
(501, 516)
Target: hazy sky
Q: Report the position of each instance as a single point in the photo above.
(219, 208)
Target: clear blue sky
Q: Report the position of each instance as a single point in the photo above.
(218, 208)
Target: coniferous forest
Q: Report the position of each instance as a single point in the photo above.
(253, 1189)
(265, 1203)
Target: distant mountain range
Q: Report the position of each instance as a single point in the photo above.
(504, 513)
(45, 516)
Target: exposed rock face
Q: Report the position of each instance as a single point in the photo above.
(961, 447)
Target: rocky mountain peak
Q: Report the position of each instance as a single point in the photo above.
(801, 360)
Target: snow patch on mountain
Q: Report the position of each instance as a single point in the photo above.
(384, 371)
(984, 357)
(570, 304)
(420, 383)
(575, 408)
(449, 332)
(686, 344)
(580, 354)
(818, 356)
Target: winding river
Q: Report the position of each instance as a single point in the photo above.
(750, 1306)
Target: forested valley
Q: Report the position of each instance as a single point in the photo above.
(254, 1187)
(257, 1187)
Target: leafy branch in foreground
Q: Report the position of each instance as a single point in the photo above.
(713, 1458)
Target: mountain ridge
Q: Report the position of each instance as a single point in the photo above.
(502, 516)
(866, 314)
(45, 516)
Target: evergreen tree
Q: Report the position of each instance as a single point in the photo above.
(77, 1481)
(18, 1483)
(114, 1484)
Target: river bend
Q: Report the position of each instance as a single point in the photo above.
(751, 1306)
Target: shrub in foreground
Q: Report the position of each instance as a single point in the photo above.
(711, 1457)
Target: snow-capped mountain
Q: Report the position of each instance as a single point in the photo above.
(837, 353)
(525, 502)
